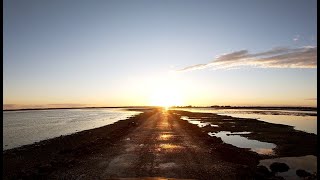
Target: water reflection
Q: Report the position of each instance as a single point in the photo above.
(198, 122)
(165, 137)
(301, 120)
(26, 127)
(169, 147)
(242, 142)
(302, 123)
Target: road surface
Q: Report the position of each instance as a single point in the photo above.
(158, 147)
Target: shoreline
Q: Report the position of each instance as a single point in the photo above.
(27, 161)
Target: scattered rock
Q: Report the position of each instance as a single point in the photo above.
(262, 172)
(302, 173)
(279, 167)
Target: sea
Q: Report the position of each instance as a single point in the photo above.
(30, 126)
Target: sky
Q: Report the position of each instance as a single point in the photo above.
(168, 52)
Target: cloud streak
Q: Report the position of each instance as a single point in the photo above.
(304, 57)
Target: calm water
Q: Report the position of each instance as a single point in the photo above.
(243, 142)
(235, 138)
(301, 120)
(198, 122)
(26, 127)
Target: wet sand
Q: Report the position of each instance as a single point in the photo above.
(156, 143)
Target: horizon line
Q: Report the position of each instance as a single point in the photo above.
(187, 106)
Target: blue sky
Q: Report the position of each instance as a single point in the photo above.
(101, 52)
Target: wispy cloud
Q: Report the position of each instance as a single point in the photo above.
(304, 57)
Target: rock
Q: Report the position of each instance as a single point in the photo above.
(279, 167)
(302, 173)
(262, 172)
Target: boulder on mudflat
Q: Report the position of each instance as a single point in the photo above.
(302, 173)
(279, 167)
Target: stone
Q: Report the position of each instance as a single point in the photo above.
(279, 167)
(302, 173)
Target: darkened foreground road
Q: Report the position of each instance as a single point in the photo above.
(156, 143)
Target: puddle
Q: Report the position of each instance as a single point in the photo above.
(307, 163)
(198, 122)
(165, 137)
(168, 147)
(243, 142)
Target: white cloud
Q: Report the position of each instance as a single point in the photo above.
(304, 57)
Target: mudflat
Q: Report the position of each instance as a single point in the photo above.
(156, 143)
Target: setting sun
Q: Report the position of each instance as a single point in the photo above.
(166, 97)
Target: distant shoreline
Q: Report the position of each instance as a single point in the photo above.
(300, 108)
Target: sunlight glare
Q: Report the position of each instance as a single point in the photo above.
(166, 98)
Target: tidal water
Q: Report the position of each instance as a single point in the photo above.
(243, 142)
(236, 139)
(27, 127)
(301, 120)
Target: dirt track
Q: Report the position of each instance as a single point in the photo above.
(159, 147)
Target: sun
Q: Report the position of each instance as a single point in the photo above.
(166, 90)
(166, 97)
